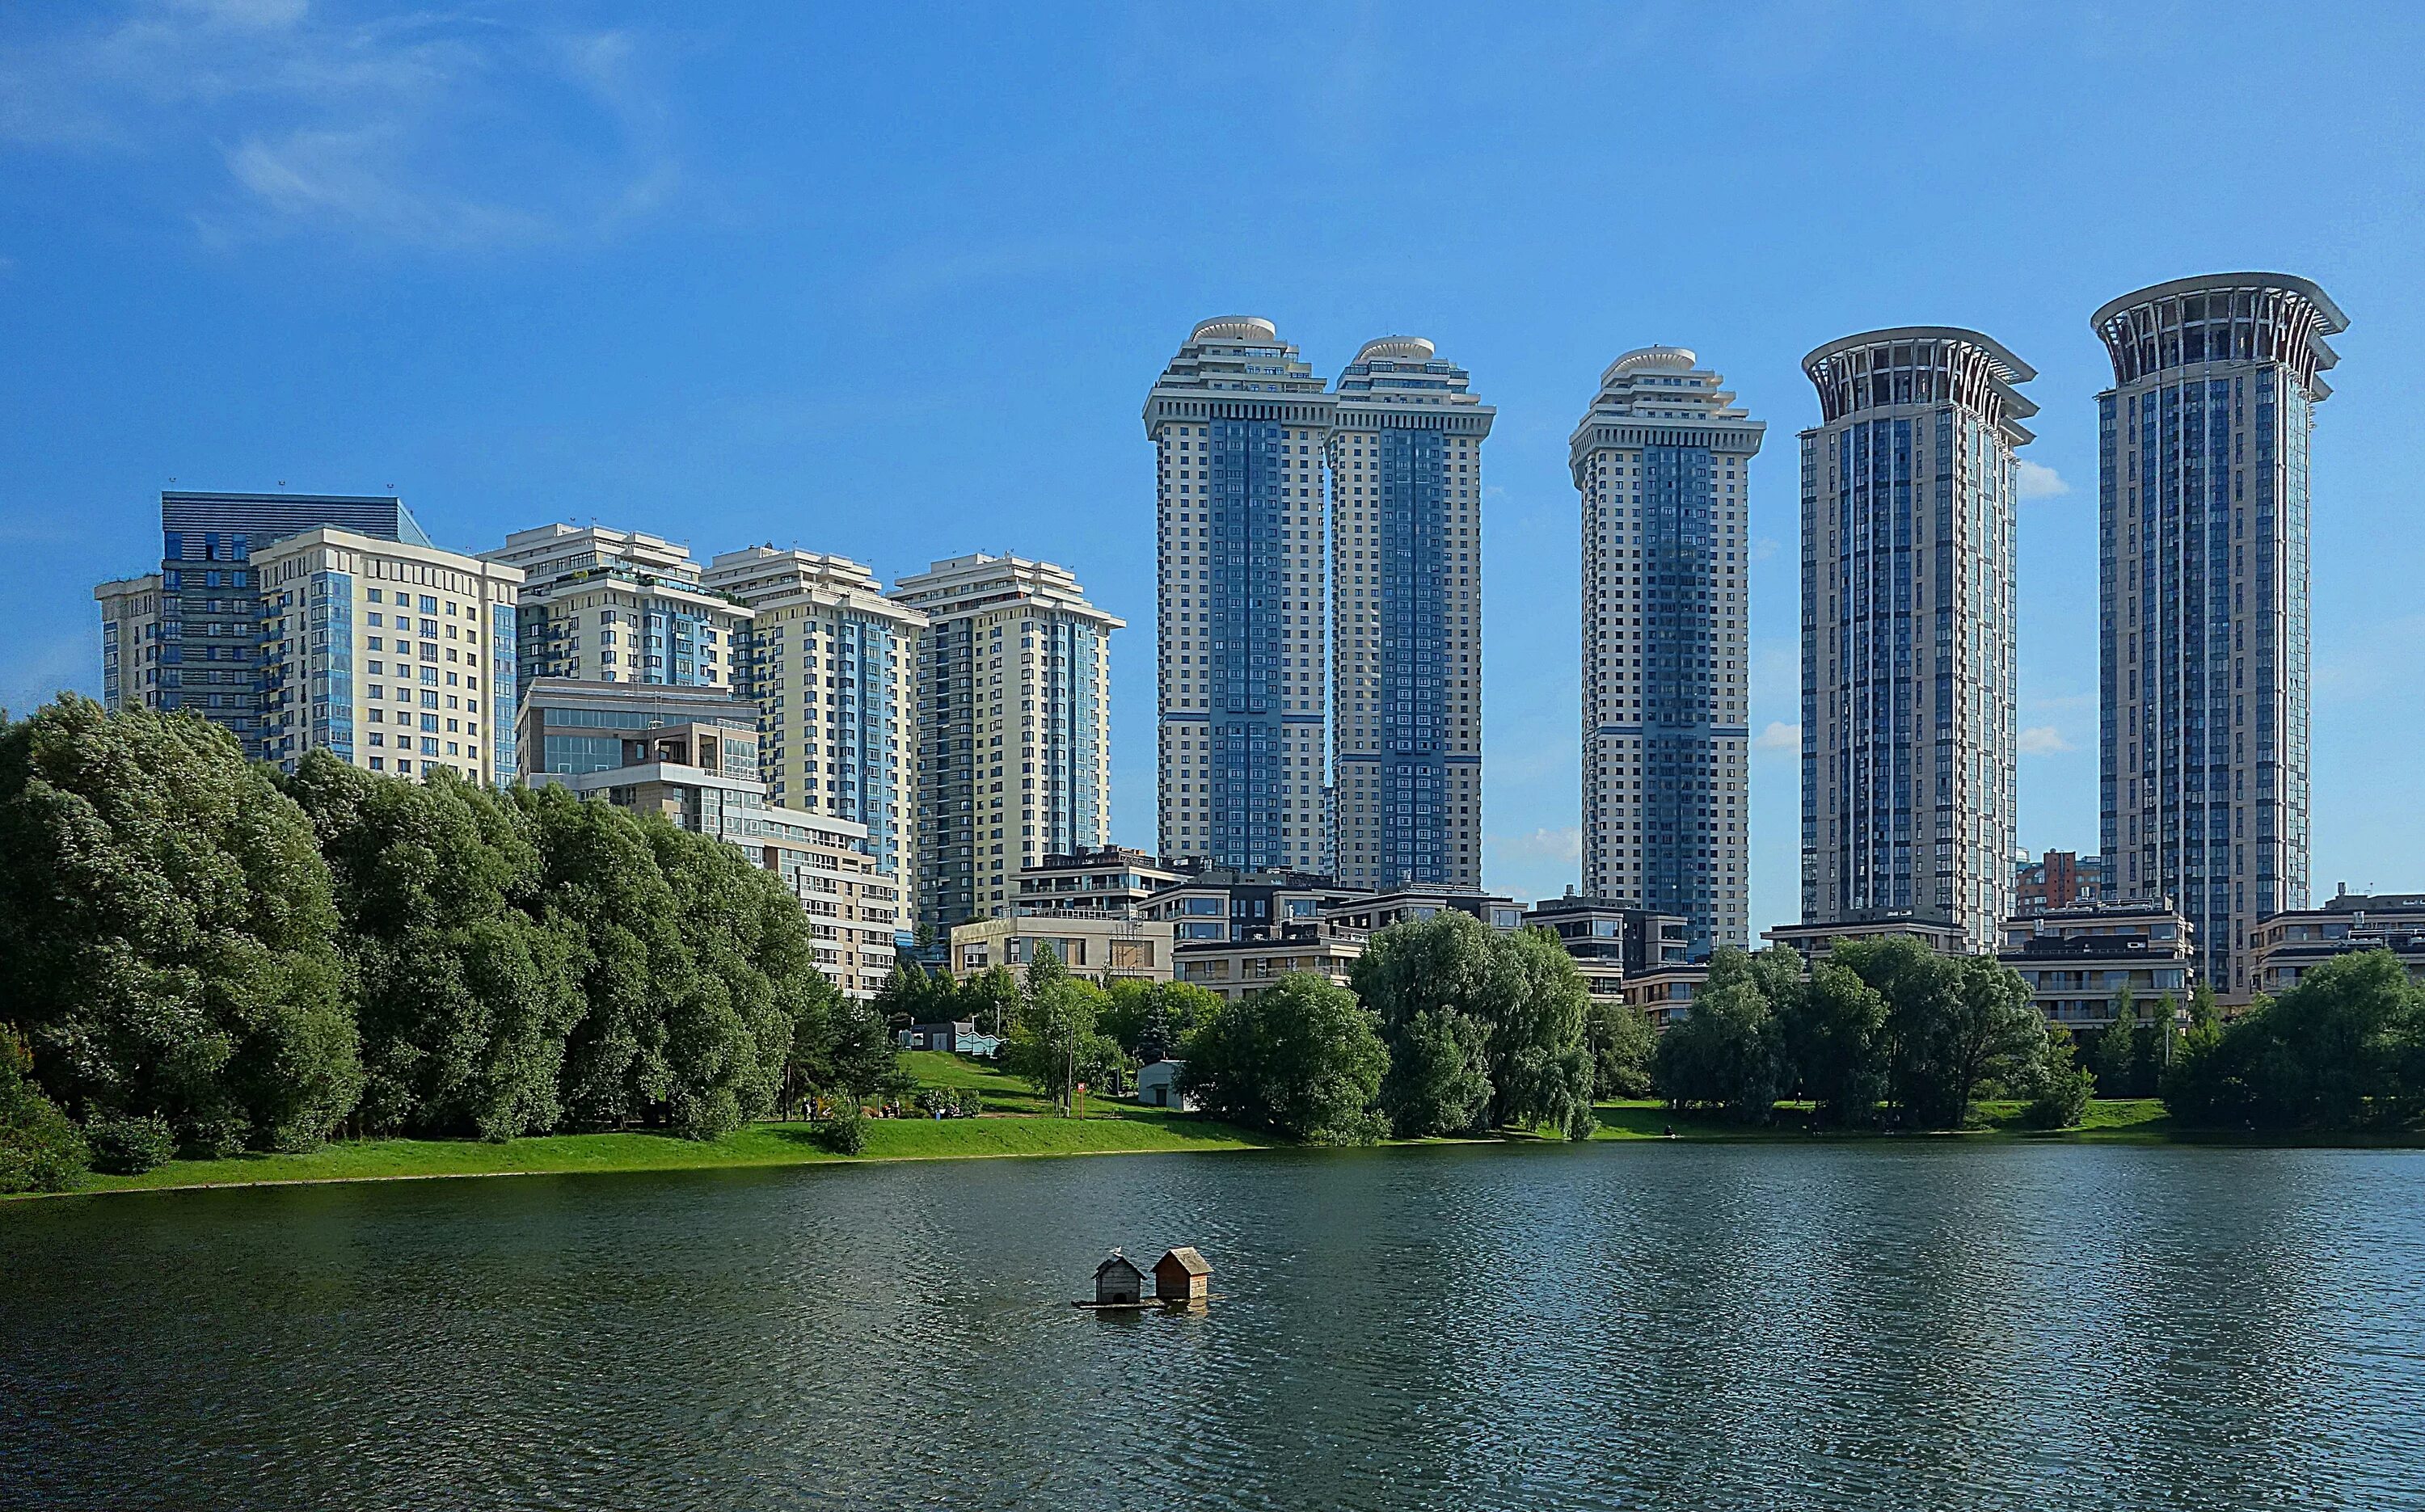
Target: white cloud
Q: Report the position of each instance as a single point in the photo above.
(1762, 548)
(1780, 736)
(2042, 740)
(427, 129)
(2038, 481)
(1540, 845)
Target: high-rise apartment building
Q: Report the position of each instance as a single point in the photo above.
(1405, 456)
(392, 656)
(1907, 630)
(602, 605)
(189, 635)
(1662, 463)
(1239, 424)
(1014, 729)
(2202, 503)
(832, 663)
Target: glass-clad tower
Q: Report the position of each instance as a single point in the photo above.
(1405, 572)
(1662, 463)
(2202, 505)
(1239, 423)
(190, 636)
(1908, 697)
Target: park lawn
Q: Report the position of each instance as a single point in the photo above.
(1114, 1131)
(1003, 1091)
(2108, 1120)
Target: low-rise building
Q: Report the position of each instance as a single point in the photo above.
(1111, 880)
(1157, 1086)
(1088, 945)
(702, 776)
(1372, 912)
(1813, 941)
(2079, 961)
(1611, 941)
(2288, 945)
(2059, 879)
(1233, 968)
(1225, 903)
(1665, 993)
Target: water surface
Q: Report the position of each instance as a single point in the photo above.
(1865, 1326)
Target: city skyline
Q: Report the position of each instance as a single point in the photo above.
(794, 386)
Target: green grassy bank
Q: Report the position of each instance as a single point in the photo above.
(2113, 1120)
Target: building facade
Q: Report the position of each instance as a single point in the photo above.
(1610, 941)
(2202, 503)
(188, 637)
(701, 775)
(2081, 963)
(1013, 746)
(1661, 462)
(1109, 879)
(1909, 647)
(1239, 425)
(602, 605)
(395, 657)
(1405, 458)
(831, 664)
(2291, 944)
(2059, 879)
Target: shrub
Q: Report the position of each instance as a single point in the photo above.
(213, 1139)
(40, 1149)
(2058, 1089)
(972, 1102)
(844, 1130)
(129, 1146)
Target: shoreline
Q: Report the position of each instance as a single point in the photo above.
(1026, 1136)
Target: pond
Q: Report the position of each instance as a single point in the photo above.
(1827, 1325)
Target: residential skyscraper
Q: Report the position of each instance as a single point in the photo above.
(1014, 756)
(602, 605)
(833, 664)
(392, 656)
(1239, 423)
(1405, 563)
(2202, 507)
(189, 635)
(1907, 629)
(1663, 462)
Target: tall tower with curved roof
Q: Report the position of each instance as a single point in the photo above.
(2202, 509)
(1239, 423)
(1661, 462)
(1908, 650)
(1406, 565)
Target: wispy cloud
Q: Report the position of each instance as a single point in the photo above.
(1780, 736)
(2038, 481)
(2042, 740)
(1540, 845)
(445, 130)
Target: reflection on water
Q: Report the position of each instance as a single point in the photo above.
(1677, 1325)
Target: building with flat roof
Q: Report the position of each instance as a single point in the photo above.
(2057, 880)
(568, 728)
(2203, 523)
(602, 605)
(1014, 729)
(1235, 904)
(1610, 942)
(1405, 454)
(189, 636)
(1109, 879)
(2288, 945)
(1090, 944)
(1234, 968)
(2079, 961)
(1813, 941)
(1240, 426)
(390, 655)
(1662, 464)
(1370, 912)
(1909, 647)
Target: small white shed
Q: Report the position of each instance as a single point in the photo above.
(1157, 1086)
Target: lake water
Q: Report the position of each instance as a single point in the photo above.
(1862, 1326)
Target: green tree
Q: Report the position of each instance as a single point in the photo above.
(990, 1000)
(1621, 1041)
(1301, 1057)
(2111, 1053)
(913, 995)
(1727, 1052)
(463, 995)
(1953, 1023)
(2342, 1050)
(166, 934)
(1436, 1082)
(1833, 1034)
(1057, 1047)
(40, 1149)
(2058, 1089)
(1044, 969)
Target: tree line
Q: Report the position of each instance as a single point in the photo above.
(201, 955)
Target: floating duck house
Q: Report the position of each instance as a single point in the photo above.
(1181, 1274)
(1118, 1282)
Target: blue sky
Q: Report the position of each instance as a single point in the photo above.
(892, 283)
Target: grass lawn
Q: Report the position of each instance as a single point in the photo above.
(1107, 1128)
(2108, 1120)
